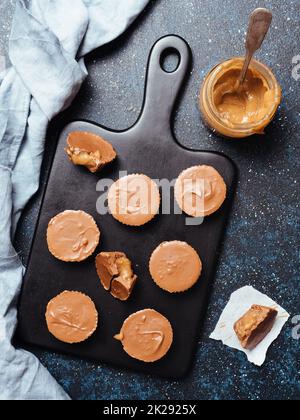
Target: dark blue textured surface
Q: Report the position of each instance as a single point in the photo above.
(262, 243)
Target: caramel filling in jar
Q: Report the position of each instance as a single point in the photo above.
(239, 112)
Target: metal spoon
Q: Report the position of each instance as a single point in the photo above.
(260, 22)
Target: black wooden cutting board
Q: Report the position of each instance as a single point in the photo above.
(149, 147)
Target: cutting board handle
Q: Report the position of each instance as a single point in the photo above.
(162, 87)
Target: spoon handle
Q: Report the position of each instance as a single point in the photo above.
(260, 22)
(245, 68)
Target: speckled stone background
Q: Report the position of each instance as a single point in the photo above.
(262, 242)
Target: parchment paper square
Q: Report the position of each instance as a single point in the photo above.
(240, 302)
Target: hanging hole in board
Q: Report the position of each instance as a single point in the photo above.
(170, 60)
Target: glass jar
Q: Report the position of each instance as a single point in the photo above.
(211, 113)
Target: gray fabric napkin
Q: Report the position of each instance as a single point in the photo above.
(48, 41)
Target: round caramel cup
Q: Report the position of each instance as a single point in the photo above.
(146, 336)
(134, 200)
(175, 266)
(200, 191)
(72, 236)
(89, 150)
(71, 317)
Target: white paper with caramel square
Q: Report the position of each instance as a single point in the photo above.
(240, 302)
